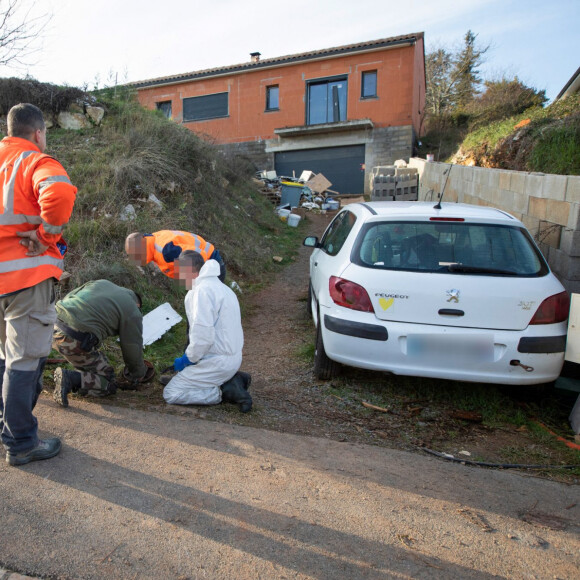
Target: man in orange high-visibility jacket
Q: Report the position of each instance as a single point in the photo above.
(164, 247)
(38, 199)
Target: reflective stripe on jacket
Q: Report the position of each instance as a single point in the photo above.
(36, 195)
(165, 246)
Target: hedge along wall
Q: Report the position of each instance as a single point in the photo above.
(548, 205)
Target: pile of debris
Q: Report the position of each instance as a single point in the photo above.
(310, 192)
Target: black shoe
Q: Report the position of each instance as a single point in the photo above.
(234, 391)
(45, 449)
(65, 382)
(164, 379)
(62, 387)
(246, 405)
(246, 378)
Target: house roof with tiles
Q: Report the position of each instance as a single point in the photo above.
(256, 63)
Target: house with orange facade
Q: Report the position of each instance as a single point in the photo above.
(337, 111)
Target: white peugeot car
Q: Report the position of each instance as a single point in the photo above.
(449, 291)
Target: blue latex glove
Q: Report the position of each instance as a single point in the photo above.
(180, 363)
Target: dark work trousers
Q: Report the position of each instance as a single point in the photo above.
(26, 323)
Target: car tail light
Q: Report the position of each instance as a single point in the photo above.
(350, 295)
(553, 309)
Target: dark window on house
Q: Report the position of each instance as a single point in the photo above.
(326, 101)
(165, 108)
(369, 84)
(205, 107)
(272, 98)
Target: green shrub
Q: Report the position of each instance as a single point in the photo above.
(504, 99)
(557, 148)
(48, 97)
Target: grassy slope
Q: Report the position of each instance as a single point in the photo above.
(548, 143)
(138, 153)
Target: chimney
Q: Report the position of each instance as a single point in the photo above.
(255, 56)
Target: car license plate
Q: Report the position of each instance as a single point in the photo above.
(450, 347)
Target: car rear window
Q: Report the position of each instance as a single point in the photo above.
(448, 247)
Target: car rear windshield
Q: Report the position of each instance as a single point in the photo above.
(448, 247)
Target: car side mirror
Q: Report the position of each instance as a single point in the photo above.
(311, 242)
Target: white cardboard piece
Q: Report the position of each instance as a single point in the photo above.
(157, 322)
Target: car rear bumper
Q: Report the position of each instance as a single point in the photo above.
(529, 357)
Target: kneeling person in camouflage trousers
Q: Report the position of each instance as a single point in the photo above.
(85, 317)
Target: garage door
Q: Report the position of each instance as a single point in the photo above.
(342, 166)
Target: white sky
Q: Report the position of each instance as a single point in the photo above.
(96, 41)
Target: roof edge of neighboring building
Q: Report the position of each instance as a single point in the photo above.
(281, 60)
(573, 85)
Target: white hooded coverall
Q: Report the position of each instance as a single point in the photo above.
(216, 339)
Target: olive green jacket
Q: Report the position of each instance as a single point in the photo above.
(105, 309)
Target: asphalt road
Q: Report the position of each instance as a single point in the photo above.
(136, 494)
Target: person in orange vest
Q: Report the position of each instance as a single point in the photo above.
(38, 199)
(164, 247)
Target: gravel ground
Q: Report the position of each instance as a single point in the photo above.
(136, 494)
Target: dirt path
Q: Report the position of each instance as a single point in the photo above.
(277, 328)
(288, 396)
(141, 495)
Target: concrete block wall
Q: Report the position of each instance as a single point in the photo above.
(548, 205)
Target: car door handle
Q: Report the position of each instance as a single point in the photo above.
(451, 312)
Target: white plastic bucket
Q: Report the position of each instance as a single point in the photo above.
(293, 220)
(333, 205)
(284, 213)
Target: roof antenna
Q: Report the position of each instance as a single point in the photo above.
(446, 172)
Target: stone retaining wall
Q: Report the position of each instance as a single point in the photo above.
(548, 205)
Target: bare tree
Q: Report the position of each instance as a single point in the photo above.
(20, 28)
(440, 93)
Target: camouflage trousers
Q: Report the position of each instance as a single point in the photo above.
(97, 375)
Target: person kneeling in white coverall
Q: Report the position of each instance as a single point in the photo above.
(208, 371)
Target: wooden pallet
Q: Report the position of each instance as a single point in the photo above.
(272, 196)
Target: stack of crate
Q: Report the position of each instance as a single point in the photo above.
(390, 183)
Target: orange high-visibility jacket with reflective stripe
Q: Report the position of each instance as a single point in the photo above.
(164, 247)
(36, 195)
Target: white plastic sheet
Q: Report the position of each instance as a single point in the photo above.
(157, 322)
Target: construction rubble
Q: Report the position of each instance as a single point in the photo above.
(294, 197)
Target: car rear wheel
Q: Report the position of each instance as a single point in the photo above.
(324, 368)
